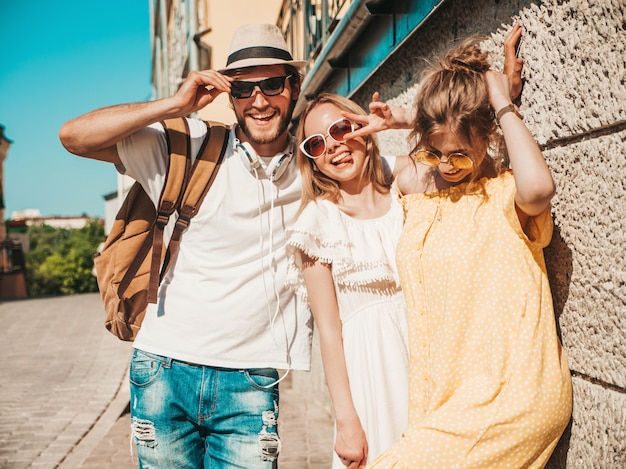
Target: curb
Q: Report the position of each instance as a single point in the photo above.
(100, 428)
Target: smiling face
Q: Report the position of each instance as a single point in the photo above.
(343, 161)
(264, 119)
(443, 144)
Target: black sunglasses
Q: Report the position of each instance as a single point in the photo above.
(269, 87)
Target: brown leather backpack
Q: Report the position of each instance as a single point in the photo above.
(134, 258)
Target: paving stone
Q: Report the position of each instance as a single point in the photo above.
(72, 411)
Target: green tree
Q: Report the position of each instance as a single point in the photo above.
(60, 261)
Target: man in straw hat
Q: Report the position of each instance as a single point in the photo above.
(204, 368)
(203, 375)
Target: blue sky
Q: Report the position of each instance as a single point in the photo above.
(62, 59)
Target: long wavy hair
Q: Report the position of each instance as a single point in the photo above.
(453, 97)
(315, 184)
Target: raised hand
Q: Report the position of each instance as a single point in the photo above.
(382, 116)
(199, 89)
(499, 86)
(513, 64)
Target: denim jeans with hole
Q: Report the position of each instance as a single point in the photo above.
(192, 416)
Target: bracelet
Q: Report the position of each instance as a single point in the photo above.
(508, 108)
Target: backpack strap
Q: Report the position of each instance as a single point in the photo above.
(178, 142)
(203, 174)
(176, 179)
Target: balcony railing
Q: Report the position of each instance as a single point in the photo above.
(320, 19)
(308, 24)
(346, 41)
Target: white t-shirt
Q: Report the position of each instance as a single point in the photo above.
(218, 302)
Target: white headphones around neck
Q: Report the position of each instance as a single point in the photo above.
(274, 171)
(276, 167)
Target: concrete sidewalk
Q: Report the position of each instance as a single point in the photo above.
(64, 393)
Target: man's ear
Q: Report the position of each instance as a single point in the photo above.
(295, 90)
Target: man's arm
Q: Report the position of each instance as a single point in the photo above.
(95, 134)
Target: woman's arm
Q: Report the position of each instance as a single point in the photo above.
(533, 179)
(351, 444)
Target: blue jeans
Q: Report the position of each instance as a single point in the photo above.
(192, 416)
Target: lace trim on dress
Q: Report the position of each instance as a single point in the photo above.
(321, 232)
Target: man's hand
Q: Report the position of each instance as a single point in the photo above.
(200, 89)
(513, 64)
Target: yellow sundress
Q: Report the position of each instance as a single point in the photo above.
(489, 382)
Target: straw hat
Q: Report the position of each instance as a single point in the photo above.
(259, 44)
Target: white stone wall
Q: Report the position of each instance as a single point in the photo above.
(574, 102)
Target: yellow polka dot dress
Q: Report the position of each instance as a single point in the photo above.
(489, 381)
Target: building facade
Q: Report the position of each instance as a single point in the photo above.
(5, 144)
(573, 101)
(12, 265)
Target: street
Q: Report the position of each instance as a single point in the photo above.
(64, 393)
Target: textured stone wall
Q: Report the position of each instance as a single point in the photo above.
(574, 103)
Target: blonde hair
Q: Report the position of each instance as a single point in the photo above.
(454, 97)
(315, 184)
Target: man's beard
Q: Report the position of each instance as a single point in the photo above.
(262, 137)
